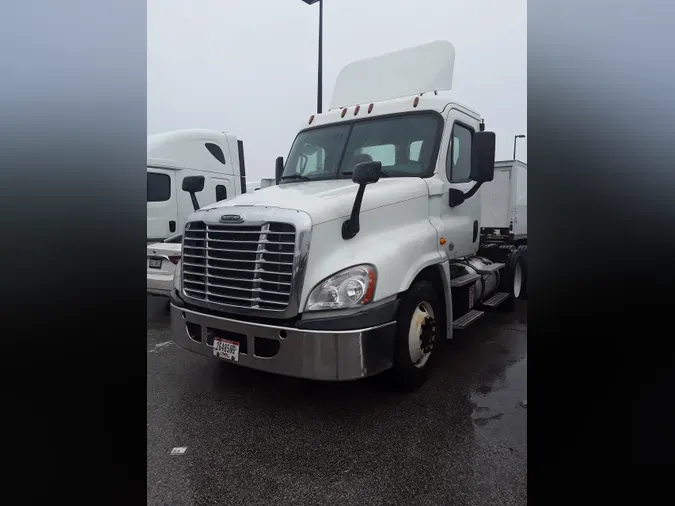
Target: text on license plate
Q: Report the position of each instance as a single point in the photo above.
(226, 349)
(155, 263)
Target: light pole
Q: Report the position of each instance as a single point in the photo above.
(515, 139)
(319, 84)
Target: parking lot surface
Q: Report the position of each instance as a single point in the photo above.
(255, 438)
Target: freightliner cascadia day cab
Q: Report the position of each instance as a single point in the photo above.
(368, 253)
(175, 155)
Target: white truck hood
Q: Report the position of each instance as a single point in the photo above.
(329, 200)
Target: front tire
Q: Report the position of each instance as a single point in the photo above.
(417, 335)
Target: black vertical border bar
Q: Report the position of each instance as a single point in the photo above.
(601, 118)
(72, 210)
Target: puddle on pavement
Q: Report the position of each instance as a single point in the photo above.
(504, 394)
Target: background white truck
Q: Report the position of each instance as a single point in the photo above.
(369, 252)
(172, 156)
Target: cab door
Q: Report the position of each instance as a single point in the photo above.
(162, 205)
(221, 188)
(460, 224)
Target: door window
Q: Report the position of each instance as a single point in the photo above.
(458, 164)
(221, 192)
(159, 187)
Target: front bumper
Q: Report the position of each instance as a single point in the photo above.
(312, 354)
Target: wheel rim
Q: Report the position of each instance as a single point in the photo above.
(421, 334)
(517, 280)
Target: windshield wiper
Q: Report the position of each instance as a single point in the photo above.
(295, 176)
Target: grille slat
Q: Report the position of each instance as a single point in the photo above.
(251, 252)
(238, 260)
(214, 230)
(218, 298)
(224, 278)
(251, 242)
(239, 265)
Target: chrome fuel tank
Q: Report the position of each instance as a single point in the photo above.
(486, 285)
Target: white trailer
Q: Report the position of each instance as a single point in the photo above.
(367, 253)
(504, 203)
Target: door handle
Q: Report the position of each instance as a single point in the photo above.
(172, 226)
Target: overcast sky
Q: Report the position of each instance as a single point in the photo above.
(248, 67)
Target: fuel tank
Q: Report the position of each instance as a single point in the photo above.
(486, 285)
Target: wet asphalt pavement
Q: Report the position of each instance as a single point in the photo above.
(256, 438)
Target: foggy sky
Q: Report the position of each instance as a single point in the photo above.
(249, 67)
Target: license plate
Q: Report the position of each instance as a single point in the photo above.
(155, 263)
(226, 349)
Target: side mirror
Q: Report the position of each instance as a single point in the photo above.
(192, 185)
(279, 168)
(364, 174)
(367, 172)
(483, 157)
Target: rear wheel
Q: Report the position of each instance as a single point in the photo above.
(417, 331)
(512, 278)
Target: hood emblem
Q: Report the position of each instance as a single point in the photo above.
(231, 218)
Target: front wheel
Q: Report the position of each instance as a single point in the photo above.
(418, 328)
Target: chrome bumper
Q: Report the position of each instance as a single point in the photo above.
(311, 354)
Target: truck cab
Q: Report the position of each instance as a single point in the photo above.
(175, 155)
(366, 255)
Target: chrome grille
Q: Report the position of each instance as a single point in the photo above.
(239, 265)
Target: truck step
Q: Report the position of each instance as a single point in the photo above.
(496, 299)
(491, 268)
(464, 321)
(463, 280)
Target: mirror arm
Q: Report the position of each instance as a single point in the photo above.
(457, 197)
(195, 204)
(473, 190)
(352, 226)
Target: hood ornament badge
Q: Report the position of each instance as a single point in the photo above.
(231, 218)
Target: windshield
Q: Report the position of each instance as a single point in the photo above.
(406, 145)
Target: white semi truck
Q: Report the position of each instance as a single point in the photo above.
(369, 252)
(175, 155)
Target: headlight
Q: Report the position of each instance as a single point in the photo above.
(348, 288)
(176, 275)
